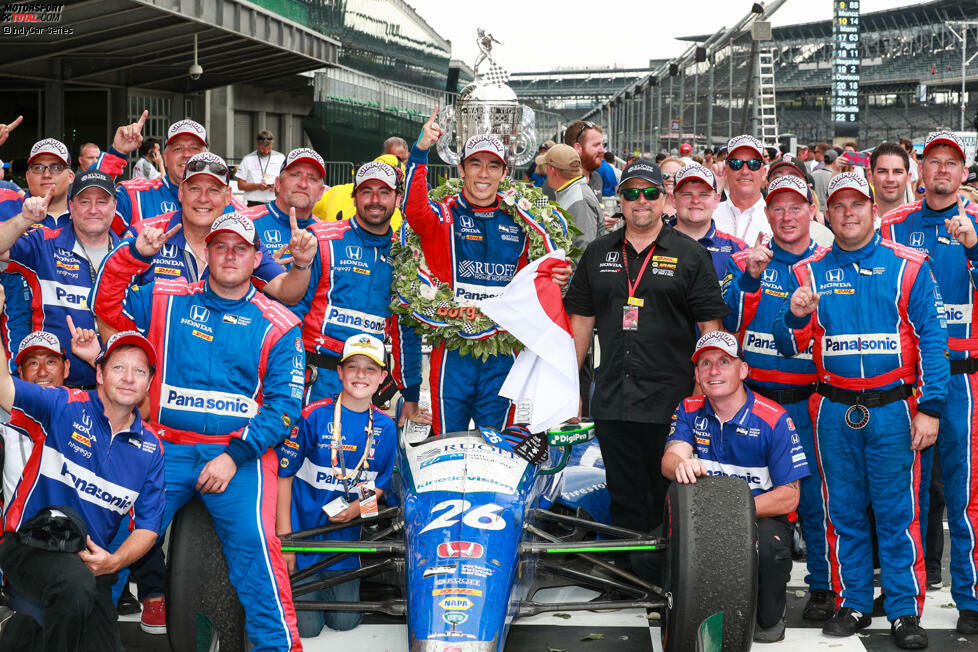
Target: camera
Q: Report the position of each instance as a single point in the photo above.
(195, 71)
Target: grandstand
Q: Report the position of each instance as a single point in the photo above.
(573, 90)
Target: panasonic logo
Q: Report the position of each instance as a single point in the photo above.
(195, 400)
(763, 344)
(66, 296)
(957, 313)
(355, 319)
(86, 483)
(868, 344)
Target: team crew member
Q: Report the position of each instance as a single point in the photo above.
(473, 245)
(942, 226)
(706, 438)
(350, 289)
(220, 420)
(297, 188)
(754, 288)
(259, 169)
(793, 166)
(140, 199)
(59, 265)
(337, 202)
(81, 440)
(203, 196)
(311, 475)
(696, 198)
(871, 311)
(742, 214)
(647, 288)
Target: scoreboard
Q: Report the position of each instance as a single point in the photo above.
(845, 68)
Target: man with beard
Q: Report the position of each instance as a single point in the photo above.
(587, 139)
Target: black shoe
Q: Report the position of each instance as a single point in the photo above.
(908, 634)
(934, 580)
(820, 605)
(967, 621)
(772, 634)
(846, 622)
(878, 606)
(128, 604)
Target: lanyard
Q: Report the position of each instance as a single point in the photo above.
(632, 300)
(336, 450)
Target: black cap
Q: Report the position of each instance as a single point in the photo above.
(972, 179)
(831, 155)
(789, 161)
(642, 168)
(92, 179)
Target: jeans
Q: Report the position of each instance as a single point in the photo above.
(311, 622)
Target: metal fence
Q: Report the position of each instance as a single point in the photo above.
(339, 172)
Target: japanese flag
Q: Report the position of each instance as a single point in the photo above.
(545, 372)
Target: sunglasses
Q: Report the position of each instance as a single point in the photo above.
(631, 194)
(266, 140)
(585, 125)
(193, 167)
(667, 176)
(753, 165)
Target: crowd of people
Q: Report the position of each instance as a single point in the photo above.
(803, 323)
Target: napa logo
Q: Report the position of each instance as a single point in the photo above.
(455, 604)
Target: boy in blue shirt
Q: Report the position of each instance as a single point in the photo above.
(317, 474)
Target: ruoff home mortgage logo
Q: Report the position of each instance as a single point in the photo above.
(28, 18)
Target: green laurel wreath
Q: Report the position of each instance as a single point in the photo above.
(411, 295)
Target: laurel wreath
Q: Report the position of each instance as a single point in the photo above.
(429, 304)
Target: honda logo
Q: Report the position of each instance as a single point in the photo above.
(199, 313)
(464, 549)
(611, 257)
(169, 251)
(354, 253)
(272, 236)
(770, 275)
(834, 275)
(86, 421)
(466, 221)
(700, 423)
(167, 207)
(916, 239)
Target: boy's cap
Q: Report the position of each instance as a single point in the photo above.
(695, 172)
(363, 344)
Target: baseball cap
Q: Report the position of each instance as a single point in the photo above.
(39, 341)
(50, 146)
(363, 344)
(187, 127)
(237, 224)
(685, 148)
(794, 165)
(562, 157)
(849, 181)
(306, 155)
(831, 155)
(944, 137)
(720, 340)
(697, 172)
(128, 338)
(378, 170)
(641, 168)
(789, 183)
(484, 143)
(747, 141)
(972, 176)
(210, 164)
(92, 179)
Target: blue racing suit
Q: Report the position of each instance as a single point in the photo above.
(476, 250)
(754, 305)
(720, 245)
(273, 226)
(956, 269)
(228, 380)
(877, 338)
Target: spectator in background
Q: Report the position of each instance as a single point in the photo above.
(659, 158)
(150, 163)
(87, 155)
(818, 161)
(913, 170)
(669, 167)
(685, 153)
(258, 170)
(587, 138)
(609, 179)
(8, 185)
(850, 147)
(707, 157)
(563, 165)
(804, 153)
(822, 175)
(610, 158)
(534, 173)
(398, 147)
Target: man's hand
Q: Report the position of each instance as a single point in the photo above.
(151, 240)
(758, 257)
(687, 471)
(5, 129)
(35, 209)
(98, 560)
(157, 160)
(216, 475)
(430, 131)
(961, 227)
(804, 301)
(414, 412)
(923, 431)
(348, 514)
(128, 138)
(611, 222)
(302, 245)
(720, 173)
(562, 275)
(289, 558)
(84, 342)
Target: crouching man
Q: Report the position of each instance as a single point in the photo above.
(730, 430)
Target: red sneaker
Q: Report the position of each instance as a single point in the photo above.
(153, 620)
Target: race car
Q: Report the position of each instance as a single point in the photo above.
(478, 527)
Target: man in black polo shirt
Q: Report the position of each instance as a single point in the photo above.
(646, 287)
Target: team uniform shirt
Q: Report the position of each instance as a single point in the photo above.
(59, 275)
(720, 245)
(272, 226)
(176, 258)
(255, 168)
(742, 224)
(759, 444)
(142, 199)
(77, 461)
(307, 456)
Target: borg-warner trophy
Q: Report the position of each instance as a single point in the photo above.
(488, 106)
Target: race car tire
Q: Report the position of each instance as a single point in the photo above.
(198, 584)
(711, 562)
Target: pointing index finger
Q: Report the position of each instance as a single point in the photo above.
(434, 114)
(13, 125)
(292, 221)
(141, 121)
(71, 327)
(169, 234)
(760, 240)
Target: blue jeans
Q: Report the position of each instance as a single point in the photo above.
(311, 622)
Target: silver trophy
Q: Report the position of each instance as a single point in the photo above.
(488, 106)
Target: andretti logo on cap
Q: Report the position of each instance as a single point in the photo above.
(50, 146)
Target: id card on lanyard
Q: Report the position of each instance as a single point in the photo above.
(629, 317)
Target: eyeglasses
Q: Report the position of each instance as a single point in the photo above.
(631, 194)
(668, 177)
(39, 168)
(266, 140)
(753, 164)
(585, 125)
(193, 167)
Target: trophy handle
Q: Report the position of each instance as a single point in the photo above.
(526, 140)
(446, 118)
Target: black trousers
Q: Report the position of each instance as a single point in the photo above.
(934, 542)
(78, 610)
(774, 568)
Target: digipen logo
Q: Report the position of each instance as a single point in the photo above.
(916, 239)
(354, 253)
(460, 549)
(834, 275)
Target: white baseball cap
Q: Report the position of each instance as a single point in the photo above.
(484, 143)
(39, 340)
(50, 146)
(944, 137)
(790, 183)
(187, 127)
(128, 338)
(307, 155)
(849, 181)
(364, 344)
(210, 164)
(378, 170)
(720, 340)
(695, 172)
(747, 141)
(235, 223)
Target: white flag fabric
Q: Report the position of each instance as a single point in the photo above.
(545, 372)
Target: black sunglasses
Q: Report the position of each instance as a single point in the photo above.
(753, 164)
(266, 140)
(585, 125)
(193, 167)
(631, 194)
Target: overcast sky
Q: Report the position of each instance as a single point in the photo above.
(625, 33)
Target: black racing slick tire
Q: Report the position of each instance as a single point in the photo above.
(201, 602)
(711, 562)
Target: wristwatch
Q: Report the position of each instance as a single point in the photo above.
(301, 268)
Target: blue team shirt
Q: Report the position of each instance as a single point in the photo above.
(273, 226)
